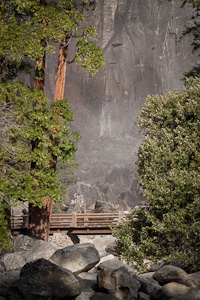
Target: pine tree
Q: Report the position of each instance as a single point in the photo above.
(27, 29)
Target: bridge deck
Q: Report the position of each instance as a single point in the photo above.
(86, 223)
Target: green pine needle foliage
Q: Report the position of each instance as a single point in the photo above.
(32, 132)
(36, 134)
(4, 240)
(28, 28)
(169, 173)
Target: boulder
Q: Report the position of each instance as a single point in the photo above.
(12, 261)
(87, 281)
(76, 258)
(26, 249)
(170, 273)
(146, 275)
(38, 249)
(88, 276)
(60, 240)
(2, 269)
(61, 281)
(6, 280)
(86, 294)
(193, 280)
(105, 258)
(177, 291)
(149, 286)
(28, 288)
(99, 241)
(102, 296)
(143, 296)
(23, 243)
(115, 279)
(111, 248)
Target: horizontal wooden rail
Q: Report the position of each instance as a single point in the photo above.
(74, 221)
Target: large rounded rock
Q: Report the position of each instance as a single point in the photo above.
(111, 248)
(170, 273)
(6, 280)
(87, 281)
(86, 294)
(149, 286)
(26, 249)
(143, 296)
(102, 296)
(115, 279)
(12, 261)
(177, 291)
(99, 241)
(60, 240)
(76, 258)
(28, 288)
(61, 281)
(193, 280)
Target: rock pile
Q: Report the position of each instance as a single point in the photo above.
(76, 272)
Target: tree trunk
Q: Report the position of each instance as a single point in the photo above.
(39, 218)
(60, 77)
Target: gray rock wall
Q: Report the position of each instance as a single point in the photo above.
(143, 56)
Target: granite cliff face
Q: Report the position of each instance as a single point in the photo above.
(143, 56)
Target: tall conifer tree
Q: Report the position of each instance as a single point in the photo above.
(28, 158)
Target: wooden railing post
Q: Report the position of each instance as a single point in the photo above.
(120, 216)
(85, 220)
(74, 219)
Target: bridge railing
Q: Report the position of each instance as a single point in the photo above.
(74, 220)
(86, 219)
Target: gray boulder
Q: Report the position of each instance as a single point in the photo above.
(87, 281)
(28, 288)
(61, 281)
(86, 294)
(146, 275)
(99, 241)
(143, 296)
(2, 269)
(26, 249)
(177, 291)
(60, 240)
(12, 261)
(102, 296)
(193, 280)
(105, 258)
(111, 248)
(115, 279)
(149, 286)
(170, 273)
(23, 243)
(6, 280)
(76, 258)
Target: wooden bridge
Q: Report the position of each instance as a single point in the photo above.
(75, 223)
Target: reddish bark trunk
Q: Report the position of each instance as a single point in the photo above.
(39, 219)
(60, 77)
